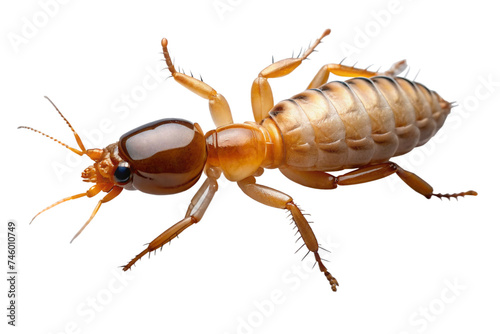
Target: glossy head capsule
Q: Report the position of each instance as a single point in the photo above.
(164, 157)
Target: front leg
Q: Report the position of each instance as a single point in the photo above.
(277, 199)
(219, 108)
(203, 197)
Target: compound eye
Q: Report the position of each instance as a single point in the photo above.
(122, 173)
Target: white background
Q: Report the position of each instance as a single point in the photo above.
(395, 253)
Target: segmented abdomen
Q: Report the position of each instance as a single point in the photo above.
(357, 122)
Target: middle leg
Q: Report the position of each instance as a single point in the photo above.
(277, 199)
(262, 95)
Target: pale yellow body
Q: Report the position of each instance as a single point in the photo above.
(356, 123)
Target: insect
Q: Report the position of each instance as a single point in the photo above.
(358, 124)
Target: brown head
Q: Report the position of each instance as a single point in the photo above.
(161, 157)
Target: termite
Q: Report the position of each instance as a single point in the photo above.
(358, 124)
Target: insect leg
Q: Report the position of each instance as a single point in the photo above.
(261, 94)
(312, 179)
(349, 71)
(200, 204)
(219, 108)
(322, 180)
(277, 199)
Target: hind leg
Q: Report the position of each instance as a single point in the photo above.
(349, 71)
(322, 180)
